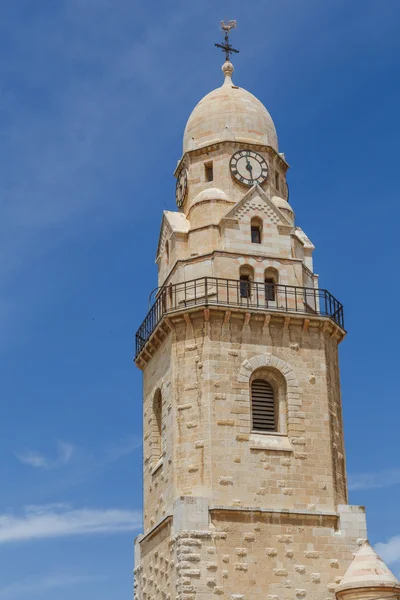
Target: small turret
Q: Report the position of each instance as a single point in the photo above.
(368, 578)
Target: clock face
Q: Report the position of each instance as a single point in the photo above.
(181, 188)
(248, 167)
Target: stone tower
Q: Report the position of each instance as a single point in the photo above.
(245, 493)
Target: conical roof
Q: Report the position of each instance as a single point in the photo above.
(368, 570)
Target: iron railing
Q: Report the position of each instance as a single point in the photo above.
(209, 291)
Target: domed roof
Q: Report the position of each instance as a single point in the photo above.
(367, 571)
(210, 194)
(281, 203)
(229, 113)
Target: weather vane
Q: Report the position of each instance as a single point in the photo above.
(226, 46)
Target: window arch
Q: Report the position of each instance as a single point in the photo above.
(271, 280)
(157, 426)
(256, 230)
(264, 415)
(246, 274)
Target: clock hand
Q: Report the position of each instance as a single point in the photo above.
(249, 168)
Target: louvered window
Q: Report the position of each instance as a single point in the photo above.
(263, 406)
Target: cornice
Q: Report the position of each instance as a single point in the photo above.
(277, 158)
(263, 317)
(208, 255)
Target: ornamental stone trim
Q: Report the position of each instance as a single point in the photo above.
(249, 365)
(293, 397)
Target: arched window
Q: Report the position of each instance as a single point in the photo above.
(271, 285)
(263, 406)
(246, 277)
(157, 426)
(256, 230)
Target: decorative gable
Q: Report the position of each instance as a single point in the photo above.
(256, 199)
(172, 222)
(304, 239)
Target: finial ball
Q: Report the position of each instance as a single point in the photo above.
(227, 68)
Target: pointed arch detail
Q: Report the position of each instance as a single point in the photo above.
(293, 396)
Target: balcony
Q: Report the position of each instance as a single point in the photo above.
(254, 296)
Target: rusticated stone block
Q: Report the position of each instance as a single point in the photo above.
(280, 572)
(285, 539)
(193, 573)
(334, 563)
(225, 480)
(242, 437)
(311, 554)
(300, 569)
(188, 542)
(298, 441)
(192, 557)
(219, 535)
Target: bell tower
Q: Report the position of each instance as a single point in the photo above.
(245, 492)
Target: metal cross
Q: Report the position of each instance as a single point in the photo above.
(226, 46)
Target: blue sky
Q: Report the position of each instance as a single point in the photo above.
(94, 98)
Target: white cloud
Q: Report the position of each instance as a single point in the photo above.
(60, 520)
(390, 550)
(367, 481)
(37, 460)
(15, 590)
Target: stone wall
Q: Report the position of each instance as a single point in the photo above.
(158, 470)
(215, 451)
(244, 555)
